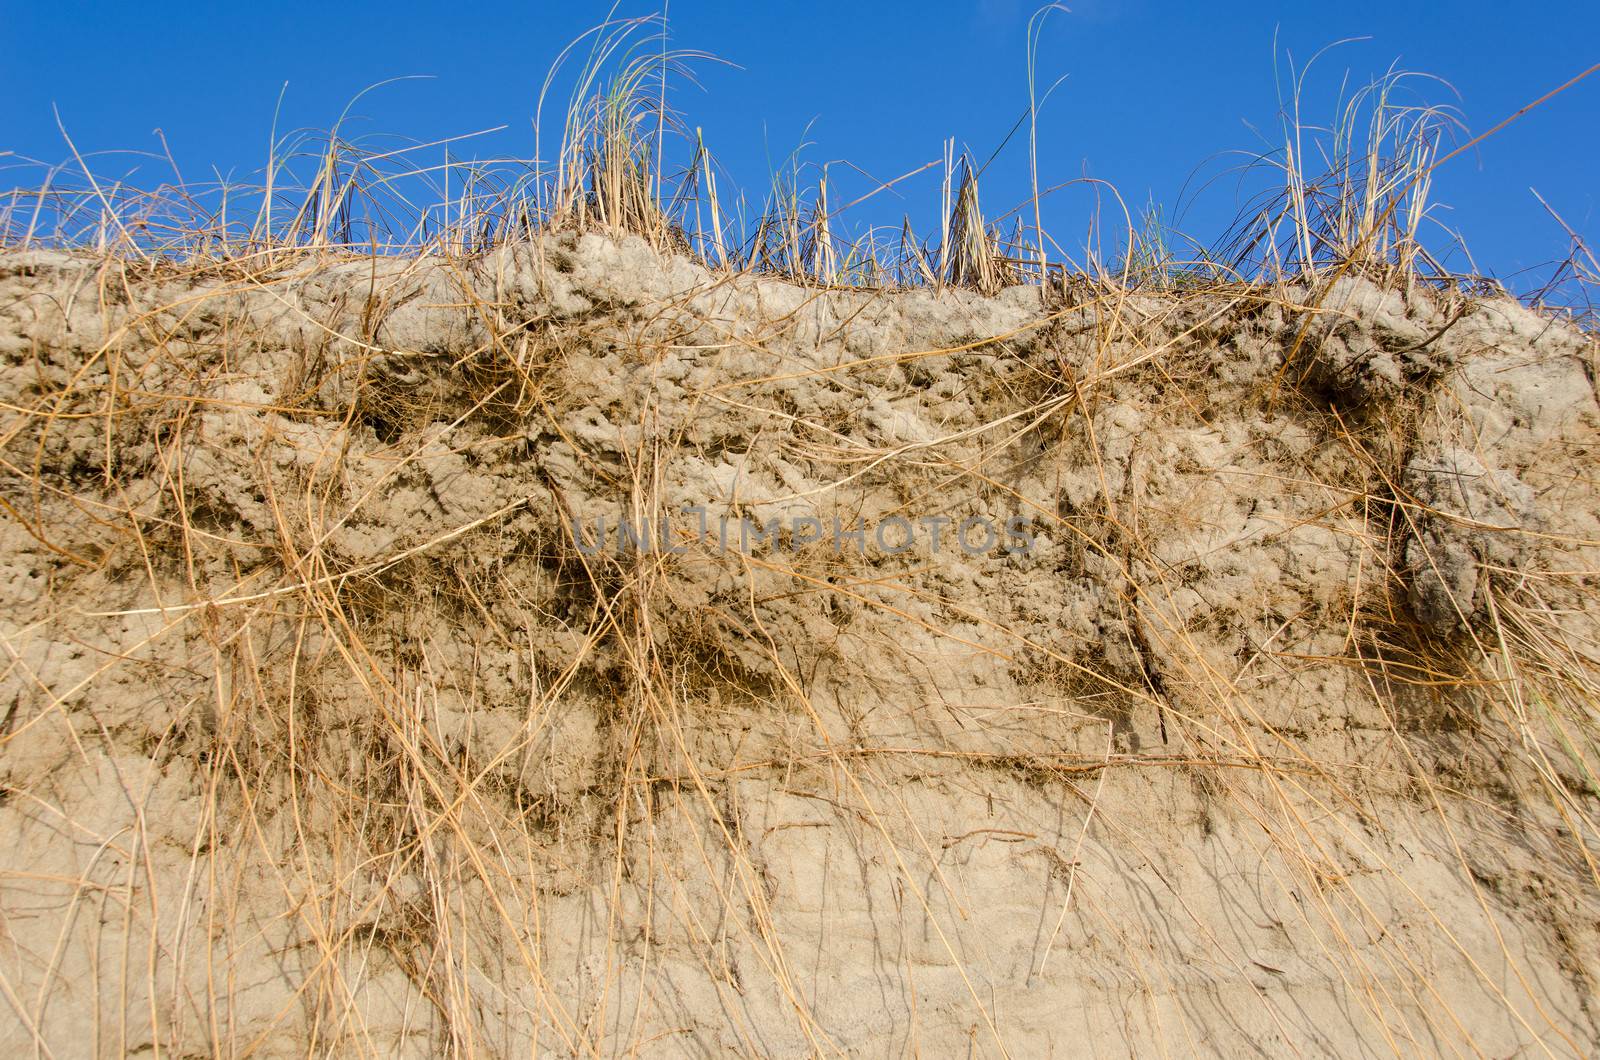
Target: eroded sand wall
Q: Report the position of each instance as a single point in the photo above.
(322, 733)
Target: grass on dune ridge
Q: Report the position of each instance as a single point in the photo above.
(1350, 194)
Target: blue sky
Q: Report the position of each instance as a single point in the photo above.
(1153, 91)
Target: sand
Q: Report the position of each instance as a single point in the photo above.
(322, 733)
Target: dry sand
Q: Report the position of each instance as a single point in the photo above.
(320, 736)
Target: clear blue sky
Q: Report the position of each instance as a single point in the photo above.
(1153, 90)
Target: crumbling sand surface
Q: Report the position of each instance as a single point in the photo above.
(321, 734)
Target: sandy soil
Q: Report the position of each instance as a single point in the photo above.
(322, 734)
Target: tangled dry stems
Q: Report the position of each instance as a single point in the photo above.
(312, 700)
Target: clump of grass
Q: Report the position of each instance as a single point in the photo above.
(970, 253)
(1353, 194)
(608, 175)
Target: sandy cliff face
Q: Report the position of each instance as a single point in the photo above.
(555, 650)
